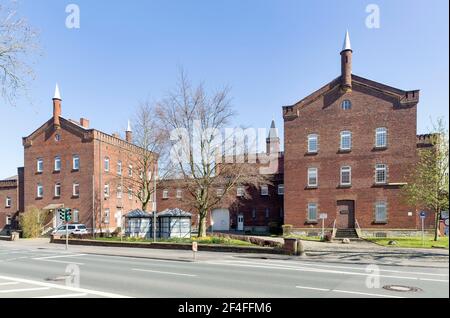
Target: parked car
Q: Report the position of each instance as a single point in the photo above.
(73, 229)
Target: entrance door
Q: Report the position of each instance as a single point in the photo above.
(221, 220)
(345, 218)
(240, 221)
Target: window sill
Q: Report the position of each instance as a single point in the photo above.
(312, 153)
(7, 207)
(379, 148)
(380, 222)
(344, 186)
(39, 198)
(311, 187)
(380, 185)
(311, 222)
(75, 196)
(344, 150)
(56, 197)
(75, 170)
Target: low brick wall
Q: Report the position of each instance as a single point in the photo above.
(253, 240)
(174, 246)
(5, 238)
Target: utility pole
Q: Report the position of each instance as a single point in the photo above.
(154, 202)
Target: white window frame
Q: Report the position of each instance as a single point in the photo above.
(106, 164)
(165, 194)
(39, 190)
(312, 205)
(381, 167)
(76, 215)
(220, 192)
(57, 189)
(57, 164)
(346, 104)
(264, 190)
(130, 171)
(381, 205)
(8, 202)
(312, 171)
(107, 216)
(315, 138)
(76, 162)
(40, 165)
(75, 187)
(345, 169)
(119, 168)
(179, 194)
(381, 131)
(344, 135)
(8, 220)
(240, 191)
(119, 192)
(130, 194)
(281, 189)
(106, 190)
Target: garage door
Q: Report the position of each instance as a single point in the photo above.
(221, 220)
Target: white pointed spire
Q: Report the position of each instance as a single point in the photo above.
(346, 45)
(129, 126)
(57, 93)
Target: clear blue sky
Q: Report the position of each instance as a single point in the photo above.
(271, 53)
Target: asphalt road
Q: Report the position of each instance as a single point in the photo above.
(54, 273)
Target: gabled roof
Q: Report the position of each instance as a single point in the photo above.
(403, 97)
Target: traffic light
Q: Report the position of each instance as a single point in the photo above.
(68, 215)
(62, 214)
(65, 214)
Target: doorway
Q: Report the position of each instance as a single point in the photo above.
(345, 215)
(240, 222)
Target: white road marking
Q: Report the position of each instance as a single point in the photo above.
(3, 291)
(74, 289)
(51, 259)
(360, 268)
(63, 296)
(306, 269)
(159, 272)
(9, 283)
(347, 292)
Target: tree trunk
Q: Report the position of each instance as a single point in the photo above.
(202, 224)
(436, 224)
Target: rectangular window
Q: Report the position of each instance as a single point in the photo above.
(39, 190)
(380, 173)
(346, 140)
(76, 216)
(380, 212)
(179, 193)
(40, 165)
(312, 177)
(8, 220)
(8, 202)
(57, 190)
(313, 143)
(130, 171)
(264, 190)
(119, 168)
(106, 190)
(130, 194)
(106, 164)
(240, 191)
(119, 192)
(76, 162)
(381, 137)
(165, 194)
(57, 163)
(281, 189)
(312, 211)
(267, 213)
(76, 189)
(219, 192)
(106, 216)
(254, 213)
(346, 176)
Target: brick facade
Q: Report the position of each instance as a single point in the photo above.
(9, 204)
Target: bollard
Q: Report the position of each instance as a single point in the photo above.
(300, 248)
(290, 246)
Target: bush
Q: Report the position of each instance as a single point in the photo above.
(32, 222)
(274, 228)
(287, 229)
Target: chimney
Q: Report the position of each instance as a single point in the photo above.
(346, 65)
(129, 134)
(56, 107)
(84, 123)
(115, 135)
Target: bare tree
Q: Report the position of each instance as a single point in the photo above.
(195, 122)
(18, 42)
(144, 173)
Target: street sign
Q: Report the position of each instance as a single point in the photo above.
(323, 216)
(194, 246)
(423, 214)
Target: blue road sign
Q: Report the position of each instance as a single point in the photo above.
(423, 214)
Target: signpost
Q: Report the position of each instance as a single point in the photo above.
(65, 215)
(423, 215)
(195, 249)
(323, 216)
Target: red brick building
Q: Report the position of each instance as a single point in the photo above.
(348, 149)
(9, 204)
(245, 208)
(69, 164)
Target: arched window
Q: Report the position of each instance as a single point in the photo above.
(346, 105)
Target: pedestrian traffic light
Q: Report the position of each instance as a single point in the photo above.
(65, 214)
(68, 215)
